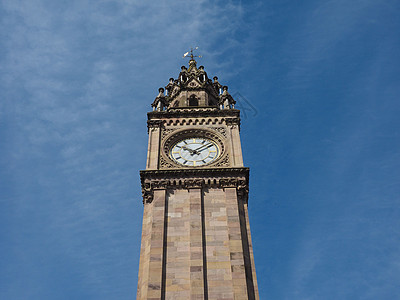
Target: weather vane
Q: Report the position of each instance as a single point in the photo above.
(190, 53)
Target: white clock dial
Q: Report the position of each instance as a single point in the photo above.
(194, 151)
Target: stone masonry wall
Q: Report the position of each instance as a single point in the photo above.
(193, 247)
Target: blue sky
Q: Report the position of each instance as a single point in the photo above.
(319, 81)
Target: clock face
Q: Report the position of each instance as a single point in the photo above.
(194, 151)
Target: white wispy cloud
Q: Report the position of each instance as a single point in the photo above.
(77, 79)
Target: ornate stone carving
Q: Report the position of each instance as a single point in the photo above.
(225, 100)
(193, 121)
(193, 112)
(193, 183)
(166, 131)
(159, 184)
(152, 124)
(224, 162)
(193, 83)
(243, 190)
(232, 122)
(228, 182)
(147, 192)
(160, 102)
(165, 164)
(221, 130)
(194, 178)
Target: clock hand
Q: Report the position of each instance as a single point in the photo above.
(206, 146)
(191, 151)
(185, 148)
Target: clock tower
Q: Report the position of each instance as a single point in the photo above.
(196, 241)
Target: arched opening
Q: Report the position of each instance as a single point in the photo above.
(193, 101)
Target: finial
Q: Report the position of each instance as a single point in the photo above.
(191, 53)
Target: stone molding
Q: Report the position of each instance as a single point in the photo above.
(151, 124)
(194, 178)
(185, 112)
(192, 121)
(167, 131)
(193, 116)
(232, 122)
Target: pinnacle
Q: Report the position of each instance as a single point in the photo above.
(192, 65)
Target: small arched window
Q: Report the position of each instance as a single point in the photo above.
(193, 101)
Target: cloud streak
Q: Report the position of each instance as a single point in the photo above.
(76, 79)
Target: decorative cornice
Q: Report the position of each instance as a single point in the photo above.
(194, 178)
(198, 116)
(193, 121)
(187, 173)
(185, 112)
(154, 124)
(232, 122)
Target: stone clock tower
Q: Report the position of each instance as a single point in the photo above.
(196, 240)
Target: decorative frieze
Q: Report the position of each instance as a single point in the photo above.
(193, 183)
(232, 122)
(194, 116)
(193, 112)
(193, 121)
(185, 179)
